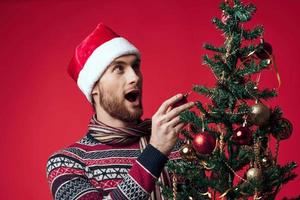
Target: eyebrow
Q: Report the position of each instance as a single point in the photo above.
(118, 62)
(124, 63)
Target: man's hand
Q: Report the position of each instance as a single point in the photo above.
(166, 124)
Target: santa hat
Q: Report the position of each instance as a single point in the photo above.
(94, 54)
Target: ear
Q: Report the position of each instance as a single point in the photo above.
(94, 93)
(95, 90)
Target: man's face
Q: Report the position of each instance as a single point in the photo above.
(120, 89)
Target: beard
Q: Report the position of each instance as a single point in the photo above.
(115, 106)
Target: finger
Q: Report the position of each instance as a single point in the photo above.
(179, 127)
(166, 104)
(169, 109)
(176, 111)
(174, 122)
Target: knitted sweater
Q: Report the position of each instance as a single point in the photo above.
(91, 170)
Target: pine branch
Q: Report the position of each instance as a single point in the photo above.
(244, 13)
(244, 156)
(213, 48)
(217, 67)
(226, 8)
(253, 68)
(266, 94)
(253, 34)
(202, 90)
(191, 118)
(245, 51)
(219, 24)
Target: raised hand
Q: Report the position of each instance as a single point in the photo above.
(166, 124)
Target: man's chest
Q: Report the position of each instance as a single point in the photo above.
(105, 169)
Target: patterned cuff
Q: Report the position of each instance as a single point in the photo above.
(130, 189)
(153, 160)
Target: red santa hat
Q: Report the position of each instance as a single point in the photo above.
(94, 54)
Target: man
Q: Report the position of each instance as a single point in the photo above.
(121, 157)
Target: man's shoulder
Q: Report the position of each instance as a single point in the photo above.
(77, 148)
(72, 155)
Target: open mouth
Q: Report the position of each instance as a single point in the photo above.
(132, 96)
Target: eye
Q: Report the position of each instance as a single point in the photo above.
(118, 68)
(136, 67)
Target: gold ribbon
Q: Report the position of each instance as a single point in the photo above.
(276, 70)
(206, 194)
(206, 166)
(272, 60)
(225, 193)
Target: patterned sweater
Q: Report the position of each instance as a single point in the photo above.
(91, 170)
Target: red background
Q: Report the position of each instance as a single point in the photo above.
(41, 108)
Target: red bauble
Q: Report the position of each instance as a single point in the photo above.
(285, 131)
(181, 101)
(204, 143)
(265, 52)
(242, 136)
(235, 148)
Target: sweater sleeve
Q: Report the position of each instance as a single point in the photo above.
(68, 181)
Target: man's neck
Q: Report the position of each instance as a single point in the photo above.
(107, 119)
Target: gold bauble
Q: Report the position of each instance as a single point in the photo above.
(254, 174)
(260, 114)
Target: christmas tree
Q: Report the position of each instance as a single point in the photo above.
(226, 148)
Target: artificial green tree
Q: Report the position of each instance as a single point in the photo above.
(226, 151)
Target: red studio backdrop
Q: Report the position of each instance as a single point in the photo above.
(42, 110)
